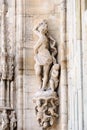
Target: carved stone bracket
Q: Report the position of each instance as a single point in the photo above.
(47, 73)
(7, 57)
(46, 107)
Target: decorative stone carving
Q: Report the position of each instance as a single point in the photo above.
(45, 52)
(46, 107)
(53, 83)
(7, 57)
(8, 120)
(8, 68)
(47, 72)
(13, 120)
(5, 120)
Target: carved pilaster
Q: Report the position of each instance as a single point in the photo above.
(7, 58)
(8, 119)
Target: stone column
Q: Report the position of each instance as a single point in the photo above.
(8, 94)
(12, 95)
(2, 102)
(63, 62)
(74, 66)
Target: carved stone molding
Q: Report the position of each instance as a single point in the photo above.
(47, 73)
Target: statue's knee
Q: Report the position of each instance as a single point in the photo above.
(37, 69)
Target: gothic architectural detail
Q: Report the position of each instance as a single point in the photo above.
(47, 73)
(46, 107)
(58, 85)
(13, 120)
(7, 56)
(5, 120)
(8, 119)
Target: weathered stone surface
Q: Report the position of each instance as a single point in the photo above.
(66, 20)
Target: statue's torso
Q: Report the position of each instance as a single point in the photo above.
(44, 43)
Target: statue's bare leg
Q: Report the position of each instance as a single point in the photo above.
(38, 70)
(45, 76)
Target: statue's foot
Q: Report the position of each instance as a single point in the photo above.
(43, 89)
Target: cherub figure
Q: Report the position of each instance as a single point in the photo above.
(45, 52)
(53, 83)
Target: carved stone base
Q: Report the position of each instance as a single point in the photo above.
(46, 107)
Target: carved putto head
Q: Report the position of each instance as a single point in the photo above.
(43, 27)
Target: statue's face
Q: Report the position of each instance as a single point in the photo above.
(43, 28)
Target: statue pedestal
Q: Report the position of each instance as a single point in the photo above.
(46, 107)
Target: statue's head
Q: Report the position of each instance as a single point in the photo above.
(43, 27)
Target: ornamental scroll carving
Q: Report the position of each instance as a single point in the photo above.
(47, 73)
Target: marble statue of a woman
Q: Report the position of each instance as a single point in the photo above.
(45, 52)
